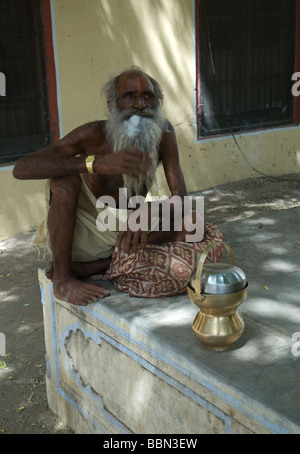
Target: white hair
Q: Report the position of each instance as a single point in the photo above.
(126, 129)
(147, 133)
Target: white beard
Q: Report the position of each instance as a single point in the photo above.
(129, 128)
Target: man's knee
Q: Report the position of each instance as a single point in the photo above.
(65, 188)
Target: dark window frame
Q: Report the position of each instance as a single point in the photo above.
(295, 100)
(50, 71)
(47, 108)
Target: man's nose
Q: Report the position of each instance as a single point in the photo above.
(139, 102)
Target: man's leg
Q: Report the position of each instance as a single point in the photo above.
(61, 224)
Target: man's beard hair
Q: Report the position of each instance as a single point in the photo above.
(145, 134)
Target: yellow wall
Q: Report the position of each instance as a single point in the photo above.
(99, 38)
(21, 204)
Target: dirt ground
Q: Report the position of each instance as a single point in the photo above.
(23, 400)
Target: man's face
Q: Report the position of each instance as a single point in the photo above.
(136, 96)
(135, 92)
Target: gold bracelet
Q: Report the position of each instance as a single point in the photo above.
(89, 163)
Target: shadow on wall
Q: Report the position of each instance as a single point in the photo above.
(148, 33)
(156, 35)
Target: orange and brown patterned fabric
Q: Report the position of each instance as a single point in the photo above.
(162, 270)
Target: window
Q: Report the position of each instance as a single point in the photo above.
(245, 61)
(24, 113)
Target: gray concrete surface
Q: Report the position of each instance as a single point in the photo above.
(267, 248)
(261, 365)
(259, 376)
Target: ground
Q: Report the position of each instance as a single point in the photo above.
(24, 408)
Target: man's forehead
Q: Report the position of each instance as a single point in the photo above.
(133, 82)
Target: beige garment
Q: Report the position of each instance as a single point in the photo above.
(92, 238)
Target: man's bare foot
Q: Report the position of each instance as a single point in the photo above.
(49, 271)
(77, 292)
(82, 269)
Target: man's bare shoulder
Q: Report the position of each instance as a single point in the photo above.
(169, 127)
(86, 136)
(168, 146)
(168, 134)
(87, 130)
(98, 125)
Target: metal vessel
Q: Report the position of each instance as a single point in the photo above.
(217, 289)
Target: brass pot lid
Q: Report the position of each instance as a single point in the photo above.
(220, 278)
(217, 278)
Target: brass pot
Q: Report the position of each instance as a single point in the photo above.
(218, 324)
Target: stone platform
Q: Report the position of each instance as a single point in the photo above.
(133, 365)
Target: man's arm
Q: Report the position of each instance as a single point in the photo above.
(54, 160)
(67, 157)
(170, 160)
(192, 221)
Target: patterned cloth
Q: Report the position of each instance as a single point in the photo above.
(162, 270)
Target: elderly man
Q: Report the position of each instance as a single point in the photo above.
(96, 160)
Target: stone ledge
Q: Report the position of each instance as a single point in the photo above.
(134, 365)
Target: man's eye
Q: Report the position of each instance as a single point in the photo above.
(128, 96)
(148, 96)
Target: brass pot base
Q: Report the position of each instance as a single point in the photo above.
(218, 323)
(218, 349)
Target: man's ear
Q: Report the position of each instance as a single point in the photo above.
(109, 102)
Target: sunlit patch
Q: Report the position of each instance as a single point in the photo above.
(23, 328)
(5, 372)
(262, 221)
(6, 296)
(283, 266)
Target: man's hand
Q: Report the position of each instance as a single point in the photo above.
(131, 162)
(133, 234)
(130, 241)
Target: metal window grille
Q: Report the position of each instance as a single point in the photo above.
(246, 54)
(23, 123)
